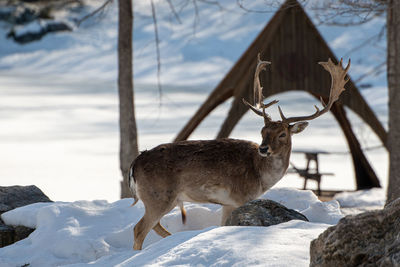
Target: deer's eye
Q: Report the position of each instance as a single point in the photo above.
(282, 135)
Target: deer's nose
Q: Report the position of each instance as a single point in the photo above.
(263, 149)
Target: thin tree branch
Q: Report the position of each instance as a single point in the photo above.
(371, 39)
(239, 3)
(212, 3)
(272, 5)
(183, 6)
(196, 16)
(356, 12)
(153, 11)
(102, 7)
(171, 6)
(375, 70)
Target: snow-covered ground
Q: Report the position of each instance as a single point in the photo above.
(59, 131)
(98, 233)
(62, 135)
(58, 97)
(361, 201)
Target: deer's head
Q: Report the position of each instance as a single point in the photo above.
(276, 135)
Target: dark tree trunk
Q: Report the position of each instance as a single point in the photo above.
(393, 75)
(127, 123)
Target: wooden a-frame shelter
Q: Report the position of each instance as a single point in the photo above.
(294, 46)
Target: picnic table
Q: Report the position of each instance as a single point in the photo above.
(309, 172)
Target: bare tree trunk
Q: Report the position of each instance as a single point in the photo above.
(127, 122)
(393, 74)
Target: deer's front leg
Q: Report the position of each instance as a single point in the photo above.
(226, 212)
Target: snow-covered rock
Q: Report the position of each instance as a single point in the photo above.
(262, 212)
(12, 197)
(366, 239)
(36, 29)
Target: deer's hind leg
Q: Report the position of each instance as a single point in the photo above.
(160, 230)
(141, 229)
(151, 220)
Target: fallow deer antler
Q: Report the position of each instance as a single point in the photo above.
(258, 96)
(338, 76)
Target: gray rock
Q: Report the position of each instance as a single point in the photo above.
(7, 235)
(367, 239)
(22, 232)
(262, 212)
(12, 197)
(11, 234)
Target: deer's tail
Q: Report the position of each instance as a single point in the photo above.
(132, 183)
(183, 212)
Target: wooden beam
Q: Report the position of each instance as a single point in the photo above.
(365, 175)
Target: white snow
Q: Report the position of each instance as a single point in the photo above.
(362, 198)
(100, 233)
(32, 27)
(227, 246)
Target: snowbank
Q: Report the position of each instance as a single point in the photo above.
(82, 232)
(363, 198)
(280, 245)
(307, 203)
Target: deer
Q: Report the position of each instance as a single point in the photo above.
(228, 172)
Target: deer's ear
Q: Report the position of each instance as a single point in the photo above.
(298, 127)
